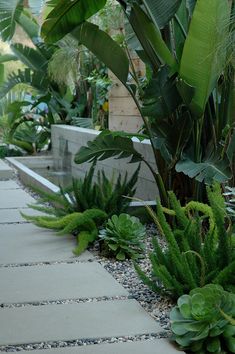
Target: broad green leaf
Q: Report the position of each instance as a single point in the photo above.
(27, 77)
(10, 11)
(162, 11)
(105, 48)
(67, 15)
(29, 25)
(213, 345)
(186, 91)
(153, 36)
(2, 72)
(204, 53)
(7, 57)
(206, 171)
(108, 145)
(82, 122)
(121, 256)
(30, 57)
(161, 97)
(230, 342)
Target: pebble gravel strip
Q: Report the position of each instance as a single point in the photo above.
(80, 342)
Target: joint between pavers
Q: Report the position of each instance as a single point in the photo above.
(33, 264)
(85, 342)
(66, 301)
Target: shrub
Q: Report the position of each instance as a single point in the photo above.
(123, 236)
(202, 321)
(84, 225)
(6, 151)
(198, 247)
(85, 194)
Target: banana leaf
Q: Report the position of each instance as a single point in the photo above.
(152, 35)
(213, 168)
(34, 79)
(29, 25)
(7, 57)
(30, 57)
(10, 12)
(105, 48)
(67, 15)
(162, 11)
(204, 53)
(108, 145)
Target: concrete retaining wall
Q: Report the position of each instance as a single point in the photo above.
(67, 140)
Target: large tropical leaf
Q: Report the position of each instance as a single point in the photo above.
(30, 57)
(67, 15)
(29, 25)
(108, 144)
(162, 11)
(204, 53)
(2, 73)
(161, 97)
(34, 79)
(7, 57)
(146, 30)
(10, 12)
(213, 168)
(105, 48)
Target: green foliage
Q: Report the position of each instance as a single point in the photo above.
(123, 237)
(6, 151)
(108, 145)
(87, 194)
(84, 225)
(188, 95)
(202, 322)
(198, 247)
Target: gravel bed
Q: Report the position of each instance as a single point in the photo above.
(123, 271)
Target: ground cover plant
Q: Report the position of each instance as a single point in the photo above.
(203, 321)
(199, 247)
(83, 225)
(123, 237)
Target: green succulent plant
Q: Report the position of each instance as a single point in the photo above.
(123, 236)
(202, 322)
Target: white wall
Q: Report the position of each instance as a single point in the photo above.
(67, 140)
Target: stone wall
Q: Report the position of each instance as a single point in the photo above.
(66, 141)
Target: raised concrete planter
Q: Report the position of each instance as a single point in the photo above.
(67, 140)
(24, 166)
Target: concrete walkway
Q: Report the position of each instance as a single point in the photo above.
(48, 295)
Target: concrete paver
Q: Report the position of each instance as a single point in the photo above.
(32, 324)
(15, 199)
(6, 172)
(13, 215)
(26, 243)
(5, 185)
(158, 346)
(57, 282)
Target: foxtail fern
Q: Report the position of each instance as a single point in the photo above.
(198, 247)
